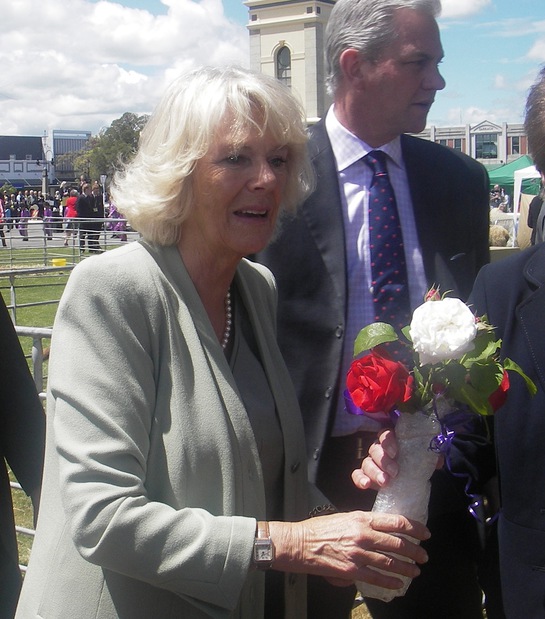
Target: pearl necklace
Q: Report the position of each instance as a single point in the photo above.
(228, 321)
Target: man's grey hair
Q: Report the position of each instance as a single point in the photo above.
(366, 26)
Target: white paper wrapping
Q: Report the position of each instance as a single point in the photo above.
(408, 494)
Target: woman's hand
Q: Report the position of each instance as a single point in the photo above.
(342, 547)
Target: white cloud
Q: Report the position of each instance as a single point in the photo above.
(75, 64)
(537, 51)
(456, 9)
(500, 82)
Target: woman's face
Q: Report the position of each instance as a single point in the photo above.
(238, 186)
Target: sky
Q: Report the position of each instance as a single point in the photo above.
(80, 64)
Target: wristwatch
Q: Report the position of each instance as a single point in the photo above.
(263, 547)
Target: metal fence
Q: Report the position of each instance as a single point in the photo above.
(34, 242)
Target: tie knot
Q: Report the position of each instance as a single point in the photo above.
(376, 160)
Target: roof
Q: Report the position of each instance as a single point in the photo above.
(505, 174)
(20, 146)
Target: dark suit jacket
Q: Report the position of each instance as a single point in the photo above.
(85, 206)
(450, 197)
(512, 293)
(22, 427)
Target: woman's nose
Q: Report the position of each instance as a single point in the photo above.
(264, 177)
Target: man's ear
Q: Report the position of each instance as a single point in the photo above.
(353, 67)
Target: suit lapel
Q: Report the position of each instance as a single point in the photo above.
(287, 408)
(321, 211)
(446, 264)
(421, 186)
(530, 311)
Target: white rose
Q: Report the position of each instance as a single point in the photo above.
(442, 330)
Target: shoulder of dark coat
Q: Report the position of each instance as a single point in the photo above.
(438, 155)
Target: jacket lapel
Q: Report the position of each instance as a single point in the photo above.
(530, 311)
(287, 407)
(321, 210)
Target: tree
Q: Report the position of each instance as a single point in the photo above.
(8, 188)
(117, 144)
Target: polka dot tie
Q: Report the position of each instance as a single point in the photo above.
(388, 268)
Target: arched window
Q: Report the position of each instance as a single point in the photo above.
(283, 66)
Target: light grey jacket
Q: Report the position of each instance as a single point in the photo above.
(152, 477)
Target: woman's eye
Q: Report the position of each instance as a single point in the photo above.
(233, 159)
(278, 162)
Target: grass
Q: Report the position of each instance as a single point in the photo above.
(39, 288)
(361, 612)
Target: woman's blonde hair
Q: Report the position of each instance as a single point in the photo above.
(155, 190)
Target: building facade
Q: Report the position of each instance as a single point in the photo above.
(21, 161)
(492, 144)
(65, 145)
(287, 42)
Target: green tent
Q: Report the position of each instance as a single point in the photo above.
(504, 176)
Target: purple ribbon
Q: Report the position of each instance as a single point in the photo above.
(454, 422)
(387, 420)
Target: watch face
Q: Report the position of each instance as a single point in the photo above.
(263, 553)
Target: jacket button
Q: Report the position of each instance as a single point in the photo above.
(328, 392)
(316, 454)
(339, 331)
(295, 467)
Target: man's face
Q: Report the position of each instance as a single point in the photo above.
(399, 88)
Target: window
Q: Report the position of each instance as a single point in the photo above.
(283, 66)
(457, 144)
(486, 146)
(515, 145)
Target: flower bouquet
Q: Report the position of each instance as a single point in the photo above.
(456, 367)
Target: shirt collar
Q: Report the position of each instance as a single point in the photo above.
(348, 148)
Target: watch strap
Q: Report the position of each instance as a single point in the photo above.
(262, 530)
(264, 552)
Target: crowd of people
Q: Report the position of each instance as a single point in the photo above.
(69, 211)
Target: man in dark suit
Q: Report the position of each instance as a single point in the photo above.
(90, 207)
(516, 310)
(22, 430)
(383, 74)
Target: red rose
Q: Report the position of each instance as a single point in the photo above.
(377, 384)
(497, 399)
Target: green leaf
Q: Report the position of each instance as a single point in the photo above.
(486, 376)
(476, 400)
(373, 335)
(406, 333)
(510, 365)
(485, 347)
